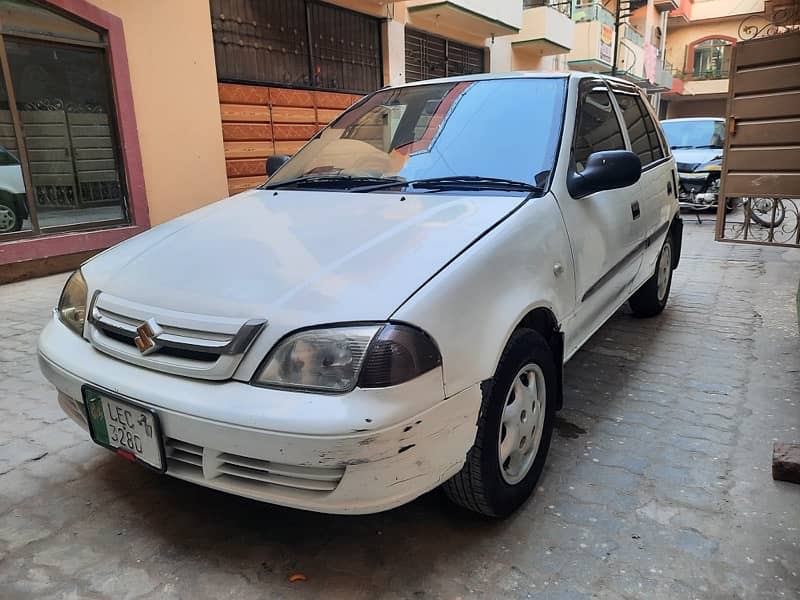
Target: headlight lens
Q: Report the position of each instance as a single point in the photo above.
(72, 304)
(326, 360)
(712, 166)
(335, 360)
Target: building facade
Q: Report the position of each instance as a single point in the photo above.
(702, 34)
(116, 116)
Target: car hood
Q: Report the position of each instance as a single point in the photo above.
(688, 159)
(311, 257)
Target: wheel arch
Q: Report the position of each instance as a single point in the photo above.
(676, 231)
(544, 321)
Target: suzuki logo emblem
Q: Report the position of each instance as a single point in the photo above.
(148, 332)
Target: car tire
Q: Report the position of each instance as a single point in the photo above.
(651, 299)
(485, 484)
(10, 219)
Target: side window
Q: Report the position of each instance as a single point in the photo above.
(655, 143)
(634, 121)
(597, 127)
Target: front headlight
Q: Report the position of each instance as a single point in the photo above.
(337, 359)
(72, 304)
(712, 166)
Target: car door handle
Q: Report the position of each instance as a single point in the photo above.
(635, 210)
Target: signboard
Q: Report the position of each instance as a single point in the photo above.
(606, 43)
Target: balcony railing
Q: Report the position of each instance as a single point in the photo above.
(701, 75)
(562, 6)
(592, 12)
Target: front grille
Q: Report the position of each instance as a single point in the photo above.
(185, 453)
(186, 344)
(127, 338)
(254, 476)
(304, 478)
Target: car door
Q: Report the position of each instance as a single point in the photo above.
(657, 182)
(605, 228)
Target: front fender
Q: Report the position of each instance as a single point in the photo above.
(474, 304)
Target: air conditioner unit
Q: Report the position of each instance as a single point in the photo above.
(584, 3)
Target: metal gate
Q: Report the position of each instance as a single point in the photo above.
(296, 43)
(761, 168)
(430, 56)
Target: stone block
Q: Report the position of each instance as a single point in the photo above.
(786, 462)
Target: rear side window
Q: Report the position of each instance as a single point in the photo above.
(635, 123)
(597, 127)
(655, 143)
(642, 132)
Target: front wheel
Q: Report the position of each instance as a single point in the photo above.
(10, 219)
(650, 299)
(761, 211)
(514, 430)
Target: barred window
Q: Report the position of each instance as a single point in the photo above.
(299, 43)
(430, 56)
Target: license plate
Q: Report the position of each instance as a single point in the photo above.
(130, 430)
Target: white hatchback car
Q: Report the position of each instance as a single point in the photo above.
(392, 310)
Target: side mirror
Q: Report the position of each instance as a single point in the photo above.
(607, 170)
(275, 162)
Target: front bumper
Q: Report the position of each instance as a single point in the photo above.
(358, 453)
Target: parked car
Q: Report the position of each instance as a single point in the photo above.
(697, 145)
(13, 207)
(392, 310)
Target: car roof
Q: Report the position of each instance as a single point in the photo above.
(513, 75)
(690, 119)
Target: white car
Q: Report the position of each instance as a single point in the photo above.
(13, 200)
(392, 310)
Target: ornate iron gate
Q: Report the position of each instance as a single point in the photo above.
(761, 169)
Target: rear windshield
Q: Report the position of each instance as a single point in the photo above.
(694, 134)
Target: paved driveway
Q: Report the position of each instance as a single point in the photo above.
(658, 484)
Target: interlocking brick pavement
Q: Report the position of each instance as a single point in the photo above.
(658, 484)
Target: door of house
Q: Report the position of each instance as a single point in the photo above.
(60, 158)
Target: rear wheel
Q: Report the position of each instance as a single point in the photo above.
(650, 299)
(514, 430)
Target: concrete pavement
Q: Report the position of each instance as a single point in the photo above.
(658, 483)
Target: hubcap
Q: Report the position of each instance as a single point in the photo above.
(8, 219)
(521, 424)
(664, 270)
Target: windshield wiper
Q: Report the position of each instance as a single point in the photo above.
(458, 182)
(680, 147)
(338, 181)
(707, 146)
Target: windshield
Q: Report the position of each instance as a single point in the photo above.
(501, 128)
(694, 134)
